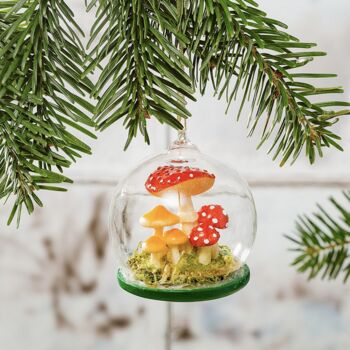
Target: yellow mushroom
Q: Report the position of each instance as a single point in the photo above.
(155, 246)
(158, 218)
(174, 238)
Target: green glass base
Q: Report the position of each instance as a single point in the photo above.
(233, 284)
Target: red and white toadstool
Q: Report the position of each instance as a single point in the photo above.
(185, 182)
(213, 215)
(204, 237)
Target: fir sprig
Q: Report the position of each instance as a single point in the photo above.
(237, 47)
(323, 243)
(152, 55)
(232, 45)
(145, 71)
(41, 99)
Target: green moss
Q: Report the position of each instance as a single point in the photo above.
(187, 272)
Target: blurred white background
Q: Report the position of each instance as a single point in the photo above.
(58, 288)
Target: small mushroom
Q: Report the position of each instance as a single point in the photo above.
(158, 218)
(174, 238)
(214, 215)
(185, 182)
(156, 246)
(204, 237)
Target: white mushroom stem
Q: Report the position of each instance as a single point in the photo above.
(188, 217)
(215, 251)
(175, 254)
(187, 214)
(156, 259)
(204, 256)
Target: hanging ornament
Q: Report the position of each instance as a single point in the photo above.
(183, 225)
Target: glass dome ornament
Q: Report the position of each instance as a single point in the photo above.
(182, 226)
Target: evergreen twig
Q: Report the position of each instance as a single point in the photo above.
(41, 99)
(323, 243)
(152, 56)
(145, 72)
(237, 47)
(231, 44)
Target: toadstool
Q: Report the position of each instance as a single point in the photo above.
(158, 218)
(185, 182)
(204, 237)
(155, 246)
(214, 215)
(174, 238)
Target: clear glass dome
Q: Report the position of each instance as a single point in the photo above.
(181, 221)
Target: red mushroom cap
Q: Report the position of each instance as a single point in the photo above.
(190, 181)
(213, 215)
(204, 235)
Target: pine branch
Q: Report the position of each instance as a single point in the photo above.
(233, 46)
(145, 74)
(41, 99)
(152, 55)
(323, 243)
(237, 47)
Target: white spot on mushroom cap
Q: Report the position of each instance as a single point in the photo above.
(214, 235)
(212, 207)
(206, 241)
(161, 181)
(204, 214)
(224, 212)
(200, 229)
(191, 175)
(201, 235)
(195, 238)
(215, 221)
